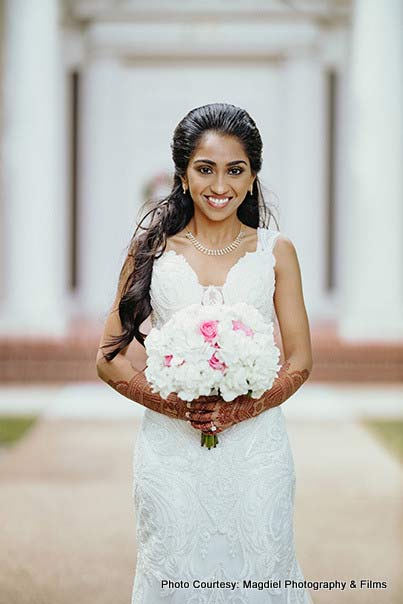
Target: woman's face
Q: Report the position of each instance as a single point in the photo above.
(218, 169)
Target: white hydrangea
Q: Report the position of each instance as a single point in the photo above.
(203, 350)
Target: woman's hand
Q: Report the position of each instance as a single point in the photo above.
(200, 409)
(135, 387)
(177, 408)
(223, 414)
(180, 408)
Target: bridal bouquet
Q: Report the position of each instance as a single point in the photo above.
(205, 350)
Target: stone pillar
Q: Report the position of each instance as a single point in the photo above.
(303, 155)
(33, 235)
(373, 292)
(106, 162)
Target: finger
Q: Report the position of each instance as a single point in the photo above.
(207, 399)
(199, 417)
(213, 398)
(204, 421)
(204, 428)
(203, 417)
(202, 406)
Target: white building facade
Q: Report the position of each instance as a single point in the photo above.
(93, 89)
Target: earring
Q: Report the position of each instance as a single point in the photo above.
(184, 190)
(251, 191)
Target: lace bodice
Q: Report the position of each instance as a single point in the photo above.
(174, 283)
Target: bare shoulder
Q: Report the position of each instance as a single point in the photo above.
(283, 247)
(286, 256)
(289, 303)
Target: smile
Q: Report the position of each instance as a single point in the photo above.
(217, 202)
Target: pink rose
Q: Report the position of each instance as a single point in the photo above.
(208, 329)
(239, 325)
(216, 363)
(167, 360)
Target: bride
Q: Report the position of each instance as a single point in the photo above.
(212, 525)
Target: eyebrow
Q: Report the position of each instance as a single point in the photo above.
(212, 163)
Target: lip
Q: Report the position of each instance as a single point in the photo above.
(218, 196)
(216, 207)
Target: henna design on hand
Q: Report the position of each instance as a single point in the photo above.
(226, 414)
(138, 389)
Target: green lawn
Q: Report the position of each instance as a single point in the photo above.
(388, 432)
(12, 428)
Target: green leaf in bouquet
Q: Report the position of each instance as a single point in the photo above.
(208, 440)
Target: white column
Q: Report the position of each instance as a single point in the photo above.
(373, 290)
(33, 246)
(301, 202)
(106, 165)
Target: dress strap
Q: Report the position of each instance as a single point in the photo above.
(268, 238)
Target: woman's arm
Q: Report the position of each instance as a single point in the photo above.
(120, 375)
(125, 373)
(295, 334)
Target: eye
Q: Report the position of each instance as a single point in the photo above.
(237, 168)
(240, 170)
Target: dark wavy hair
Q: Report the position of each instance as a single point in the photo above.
(169, 215)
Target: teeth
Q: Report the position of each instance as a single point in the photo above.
(218, 202)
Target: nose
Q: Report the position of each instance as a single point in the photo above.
(219, 187)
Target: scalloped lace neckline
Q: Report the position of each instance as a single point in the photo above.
(259, 249)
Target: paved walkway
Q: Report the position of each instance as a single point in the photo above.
(68, 524)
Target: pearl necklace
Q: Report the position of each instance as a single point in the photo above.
(216, 252)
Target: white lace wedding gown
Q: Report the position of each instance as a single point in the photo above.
(224, 513)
